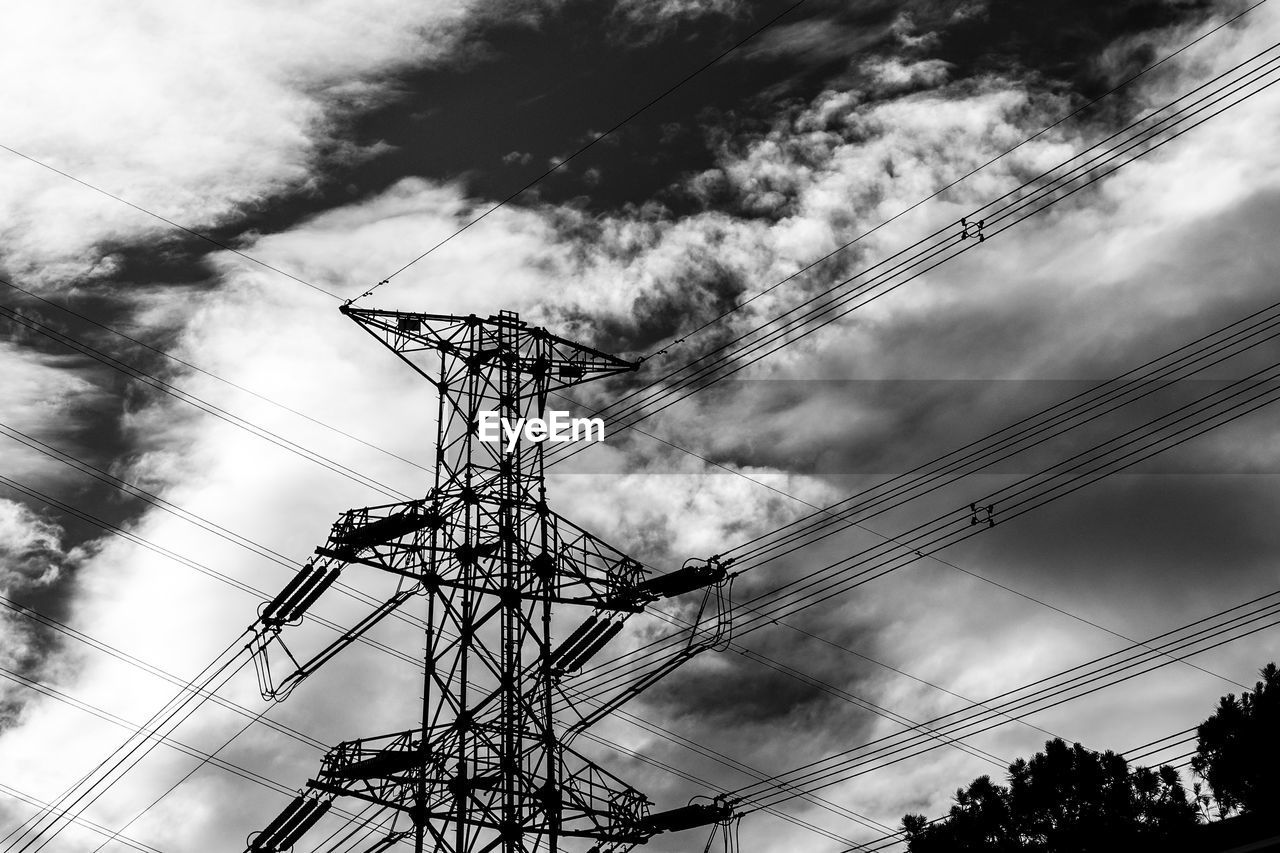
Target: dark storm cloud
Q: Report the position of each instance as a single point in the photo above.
(1086, 45)
(540, 82)
(739, 693)
(1032, 49)
(94, 427)
(890, 424)
(706, 287)
(534, 82)
(739, 703)
(1104, 546)
(31, 547)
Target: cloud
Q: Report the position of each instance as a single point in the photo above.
(32, 555)
(1090, 289)
(669, 12)
(50, 398)
(30, 547)
(192, 113)
(815, 41)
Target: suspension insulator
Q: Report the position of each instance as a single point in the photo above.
(273, 828)
(290, 835)
(302, 592)
(575, 639)
(281, 834)
(273, 609)
(306, 599)
(591, 646)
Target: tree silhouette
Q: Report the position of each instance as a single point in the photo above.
(1066, 799)
(1238, 752)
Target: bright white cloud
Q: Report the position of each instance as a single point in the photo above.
(195, 113)
(30, 547)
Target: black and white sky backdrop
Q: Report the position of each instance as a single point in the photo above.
(337, 140)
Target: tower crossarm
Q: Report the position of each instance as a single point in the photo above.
(546, 362)
(416, 775)
(435, 543)
(419, 542)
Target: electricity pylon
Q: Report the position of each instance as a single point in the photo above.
(489, 767)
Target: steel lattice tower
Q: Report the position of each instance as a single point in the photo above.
(503, 575)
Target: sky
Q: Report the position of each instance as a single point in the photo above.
(193, 191)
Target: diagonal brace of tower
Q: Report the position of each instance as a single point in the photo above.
(502, 574)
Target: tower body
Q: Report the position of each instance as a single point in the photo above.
(502, 576)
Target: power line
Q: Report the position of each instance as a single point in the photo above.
(133, 490)
(817, 776)
(899, 747)
(1183, 131)
(155, 739)
(954, 183)
(1084, 684)
(1027, 433)
(1199, 355)
(947, 243)
(115, 530)
(720, 758)
(884, 560)
(79, 821)
(151, 733)
(183, 228)
(106, 648)
(198, 403)
(1204, 409)
(1210, 635)
(124, 657)
(183, 362)
(260, 718)
(1165, 432)
(1165, 649)
(204, 760)
(790, 671)
(129, 488)
(689, 777)
(1016, 711)
(832, 521)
